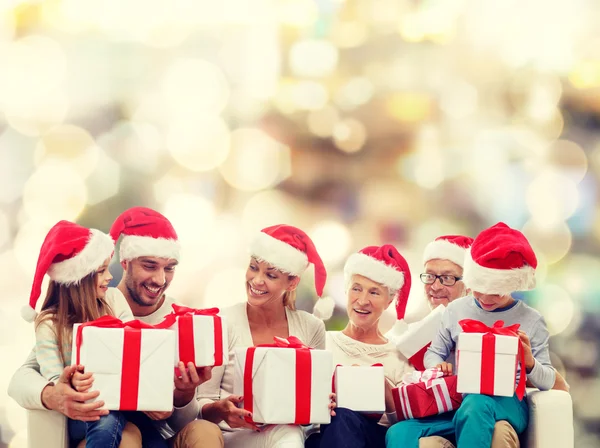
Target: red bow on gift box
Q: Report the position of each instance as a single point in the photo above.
(132, 345)
(488, 351)
(184, 316)
(303, 376)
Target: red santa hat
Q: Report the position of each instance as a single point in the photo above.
(290, 250)
(385, 265)
(145, 233)
(500, 261)
(69, 253)
(448, 247)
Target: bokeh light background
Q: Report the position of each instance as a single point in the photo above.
(360, 121)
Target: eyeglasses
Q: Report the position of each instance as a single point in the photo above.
(446, 280)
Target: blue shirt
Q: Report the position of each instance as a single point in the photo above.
(531, 322)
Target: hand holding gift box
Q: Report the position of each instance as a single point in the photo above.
(487, 359)
(285, 382)
(360, 388)
(128, 363)
(201, 336)
(426, 393)
(413, 343)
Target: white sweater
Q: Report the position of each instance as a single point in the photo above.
(348, 351)
(301, 324)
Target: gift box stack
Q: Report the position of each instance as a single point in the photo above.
(425, 393)
(487, 359)
(285, 382)
(132, 362)
(360, 388)
(413, 343)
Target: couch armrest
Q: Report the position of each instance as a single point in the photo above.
(550, 419)
(47, 429)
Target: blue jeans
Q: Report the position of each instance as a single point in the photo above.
(103, 433)
(349, 429)
(472, 423)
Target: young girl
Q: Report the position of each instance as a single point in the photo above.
(76, 259)
(500, 262)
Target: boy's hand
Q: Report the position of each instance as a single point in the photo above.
(529, 359)
(445, 367)
(82, 382)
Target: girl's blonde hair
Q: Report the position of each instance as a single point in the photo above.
(66, 305)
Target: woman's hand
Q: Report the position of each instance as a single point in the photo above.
(226, 410)
(81, 381)
(445, 367)
(332, 404)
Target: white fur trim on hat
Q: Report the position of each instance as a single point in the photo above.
(373, 269)
(99, 247)
(497, 281)
(279, 254)
(324, 308)
(444, 250)
(134, 246)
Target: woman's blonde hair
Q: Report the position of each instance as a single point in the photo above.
(289, 298)
(66, 305)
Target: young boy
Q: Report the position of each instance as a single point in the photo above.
(500, 262)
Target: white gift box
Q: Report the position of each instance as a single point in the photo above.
(360, 388)
(420, 333)
(274, 385)
(201, 342)
(103, 352)
(498, 377)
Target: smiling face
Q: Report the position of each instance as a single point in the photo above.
(103, 278)
(147, 279)
(367, 300)
(438, 294)
(265, 284)
(491, 302)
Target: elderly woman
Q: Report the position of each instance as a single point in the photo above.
(279, 255)
(375, 276)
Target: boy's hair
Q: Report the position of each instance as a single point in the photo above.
(66, 305)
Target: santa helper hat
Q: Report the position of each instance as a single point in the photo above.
(448, 247)
(145, 233)
(69, 253)
(291, 250)
(500, 261)
(385, 265)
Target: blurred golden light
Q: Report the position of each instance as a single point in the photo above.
(69, 144)
(349, 135)
(199, 144)
(297, 13)
(410, 107)
(27, 244)
(313, 58)
(556, 306)
(36, 115)
(349, 34)
(309, 95)
(552, 197)
(332, 240)
(193, 216)
(226, 288)
(569, 158)
(553, 242)
(135, 145)
(411, 28)
(194, 87)
(543, 99)
(103, 182)
(54, 191)
(585, 74)
(7, 24)
(267, 208)
(16, 164)
(255, 161)
(356, 92)
(459, 100)
(428, 169)
(322, 122)
(171, 183)
(4, 229)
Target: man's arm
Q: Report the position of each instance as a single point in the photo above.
(27, 385)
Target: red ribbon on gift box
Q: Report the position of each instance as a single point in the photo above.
(488, 352)
(303, 377)
(132, 345)
(184, 317)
